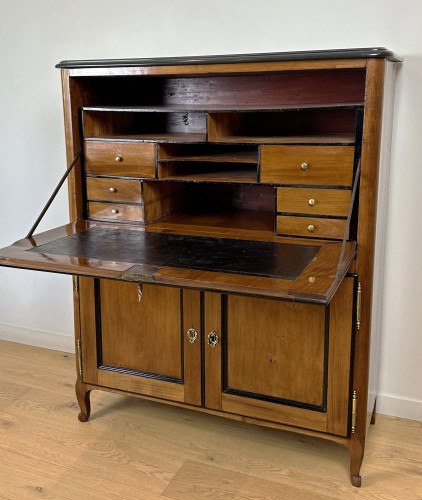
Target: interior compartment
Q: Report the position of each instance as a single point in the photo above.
(320, 125)
(208, 153)
(289, 87)
(226, 208)
(143, 126)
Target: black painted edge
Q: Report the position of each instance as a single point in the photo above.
(377, 52)
(136, 373)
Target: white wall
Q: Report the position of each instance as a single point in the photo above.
(34, 36)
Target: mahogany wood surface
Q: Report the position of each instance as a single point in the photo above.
(115, 211)
(326, 165)
(141, 334)
(339, 361)
(311, 226)
(120, 158)
(114, 190)
(334, 202)
(365, 259)
(275, 349)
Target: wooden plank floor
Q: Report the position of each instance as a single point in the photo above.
(143, 450)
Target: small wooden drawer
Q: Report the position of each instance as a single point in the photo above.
(307, 165)
(115, 211)
(127, 159)
(311, 227)
(333, 202)
(113, 190)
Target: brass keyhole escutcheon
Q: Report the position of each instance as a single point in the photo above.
(192, 335)
(213, 339)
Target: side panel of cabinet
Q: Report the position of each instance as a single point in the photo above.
(136, 344)
(281, 361)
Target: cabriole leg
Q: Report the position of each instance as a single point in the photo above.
(83, 397)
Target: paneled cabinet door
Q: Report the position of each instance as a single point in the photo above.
(280, 361)
(144, 340)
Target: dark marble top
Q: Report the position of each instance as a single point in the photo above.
(380, 52)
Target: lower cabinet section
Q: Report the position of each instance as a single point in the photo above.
(273, 360)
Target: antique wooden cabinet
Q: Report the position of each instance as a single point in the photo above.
(223, 235)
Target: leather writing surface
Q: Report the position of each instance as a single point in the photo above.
(254, 258)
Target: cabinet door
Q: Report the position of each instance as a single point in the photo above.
(285, 362)
(137, 342)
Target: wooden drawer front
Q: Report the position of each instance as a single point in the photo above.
(302, 226)
(114, 190)
(120, 158)
(115, 211)
(333, 202)
(312, 165)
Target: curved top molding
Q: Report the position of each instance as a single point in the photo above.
(379, 52)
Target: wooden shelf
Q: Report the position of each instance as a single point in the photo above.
(244, 176)
(162, 137)
(234, 157)
(218, 108)
(236, 221)
(343, 139)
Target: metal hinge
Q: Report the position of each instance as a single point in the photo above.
(76, 285)
(140, 292)
(358, 306)
(79, 356)
(354, 398)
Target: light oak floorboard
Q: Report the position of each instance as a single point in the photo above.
(140, 449)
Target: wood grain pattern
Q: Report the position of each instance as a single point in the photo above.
(115, 211)
(210, 69)
(114, 190)
(192, 350)
(366, 240)
(339, 364)
(321, 227)
(212, 355)
(327, 165)
(276, 349)
(72, 93)
(137, 159)
(141, 335)
(334, 202)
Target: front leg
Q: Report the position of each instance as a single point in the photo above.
(83, 397)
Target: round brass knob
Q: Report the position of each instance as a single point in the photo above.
(112, 190)
(304, 166)
(311, 202)
(311, 228)
(114, 211)
(119, 158)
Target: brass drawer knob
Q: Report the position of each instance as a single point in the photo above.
(119, 158)
(192, 335)
(304, 166)
(115, 211)
(311, 228)
(311, 202)
(113, 190)
(212, 338)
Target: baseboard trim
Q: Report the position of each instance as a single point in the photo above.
(398, 407)
(38, 338)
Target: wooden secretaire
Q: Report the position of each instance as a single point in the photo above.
(226, 234)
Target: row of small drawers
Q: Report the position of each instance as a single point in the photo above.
(308, 205)
(306, 165)
(120, 199)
